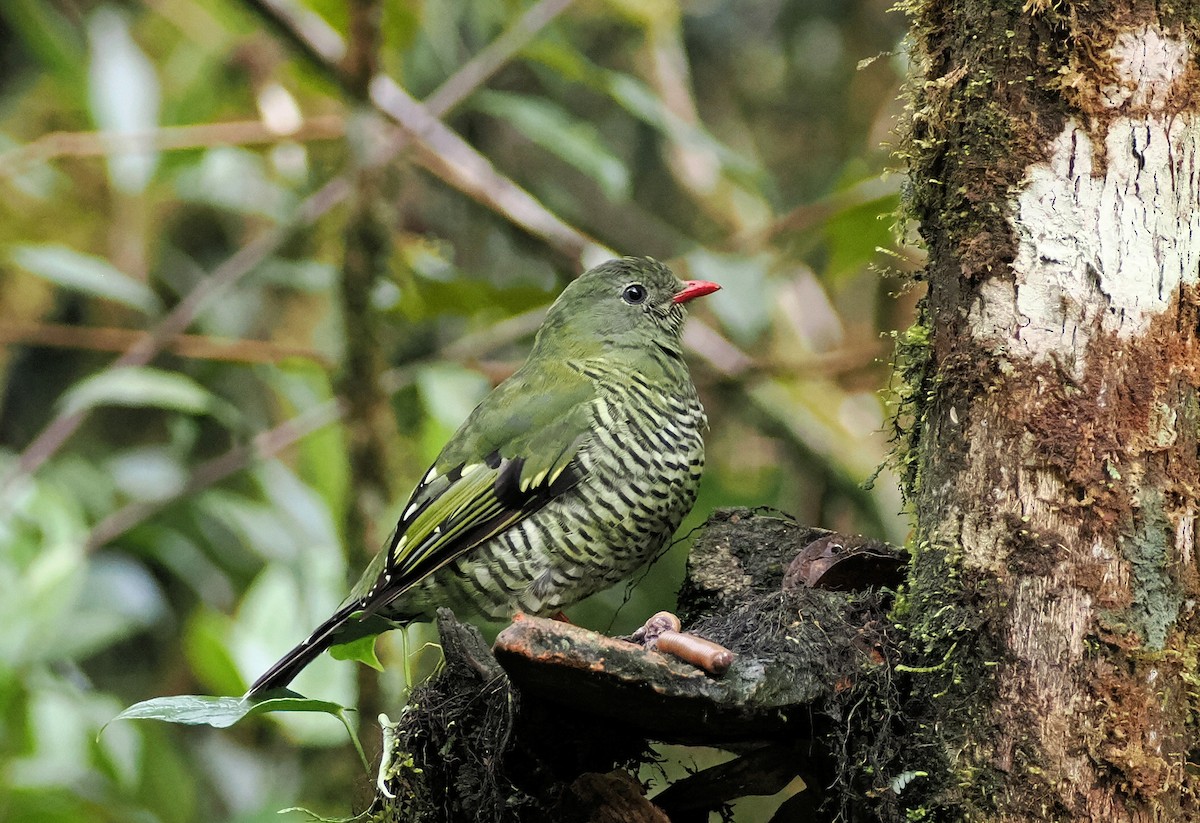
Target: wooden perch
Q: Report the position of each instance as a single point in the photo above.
(534, 728)
(658, 696)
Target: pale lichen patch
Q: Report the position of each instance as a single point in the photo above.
(1148, 63)
(1108, 227)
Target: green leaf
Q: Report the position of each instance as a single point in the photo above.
(237, 180)
(745, 304)
(139, 386)
(86, 273)
(47, 34)
(124, 97)
(223, 712)
(119, 598)
(362, 650)
(641, 101)
(856, 233)
(35, 178)
(552, 127)
(448, 392)
(207, 651)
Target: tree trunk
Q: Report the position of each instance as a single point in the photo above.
(1052, 457)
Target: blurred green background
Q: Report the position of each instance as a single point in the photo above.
(171, 526)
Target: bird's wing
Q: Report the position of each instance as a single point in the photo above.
(516, 452)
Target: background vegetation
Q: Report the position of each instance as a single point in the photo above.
(197, 194)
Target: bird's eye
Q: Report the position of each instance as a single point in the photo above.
(634, 293)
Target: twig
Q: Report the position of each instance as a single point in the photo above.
(167, 138)
(263, 445)
(194, 346)
(306, 31)
(721, 355)
(480, 68)
(446, 155)
(51, 438)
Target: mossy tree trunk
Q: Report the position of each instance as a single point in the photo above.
(1053, 458)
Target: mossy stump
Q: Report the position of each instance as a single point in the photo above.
(554, 721)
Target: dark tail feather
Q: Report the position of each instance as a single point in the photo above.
(292, 663)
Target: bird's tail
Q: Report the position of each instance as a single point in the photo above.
(292, 663)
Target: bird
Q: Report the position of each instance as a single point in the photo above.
(565, 478)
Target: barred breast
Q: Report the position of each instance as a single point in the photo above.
(641, 470)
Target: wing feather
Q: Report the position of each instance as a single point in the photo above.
(516, 452)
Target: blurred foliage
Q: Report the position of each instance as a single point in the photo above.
(194, 525)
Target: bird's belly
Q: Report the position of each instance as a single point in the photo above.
(591, 537)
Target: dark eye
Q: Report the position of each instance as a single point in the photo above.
(634, 293)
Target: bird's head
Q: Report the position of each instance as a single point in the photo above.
(630, 303)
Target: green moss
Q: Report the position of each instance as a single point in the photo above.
(912, 391)
(1156, 600)
(946, 671)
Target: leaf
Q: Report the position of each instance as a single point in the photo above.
(745, 302)
(139, 386)
(237, 180)
(48, 35)
(34, 178)
(855, 234)
(207, 651)
(362, 650)
(222, 712)
(448, 392)
(119, 598)
(640, 100)
(901, 781)
(123, 94)
(552, 127)
(86, 273)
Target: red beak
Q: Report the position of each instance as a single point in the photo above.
(693, 289)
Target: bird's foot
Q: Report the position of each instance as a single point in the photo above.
(662, 633)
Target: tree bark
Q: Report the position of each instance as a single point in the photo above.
(1052, 448)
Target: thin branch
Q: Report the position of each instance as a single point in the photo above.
(263, 445)
(56, 433)
(480, 68)
(198, 347)
(167, 138)
(306, 32)
(446, 155)
(276, 439)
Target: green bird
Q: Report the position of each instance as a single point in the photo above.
(567, 477)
